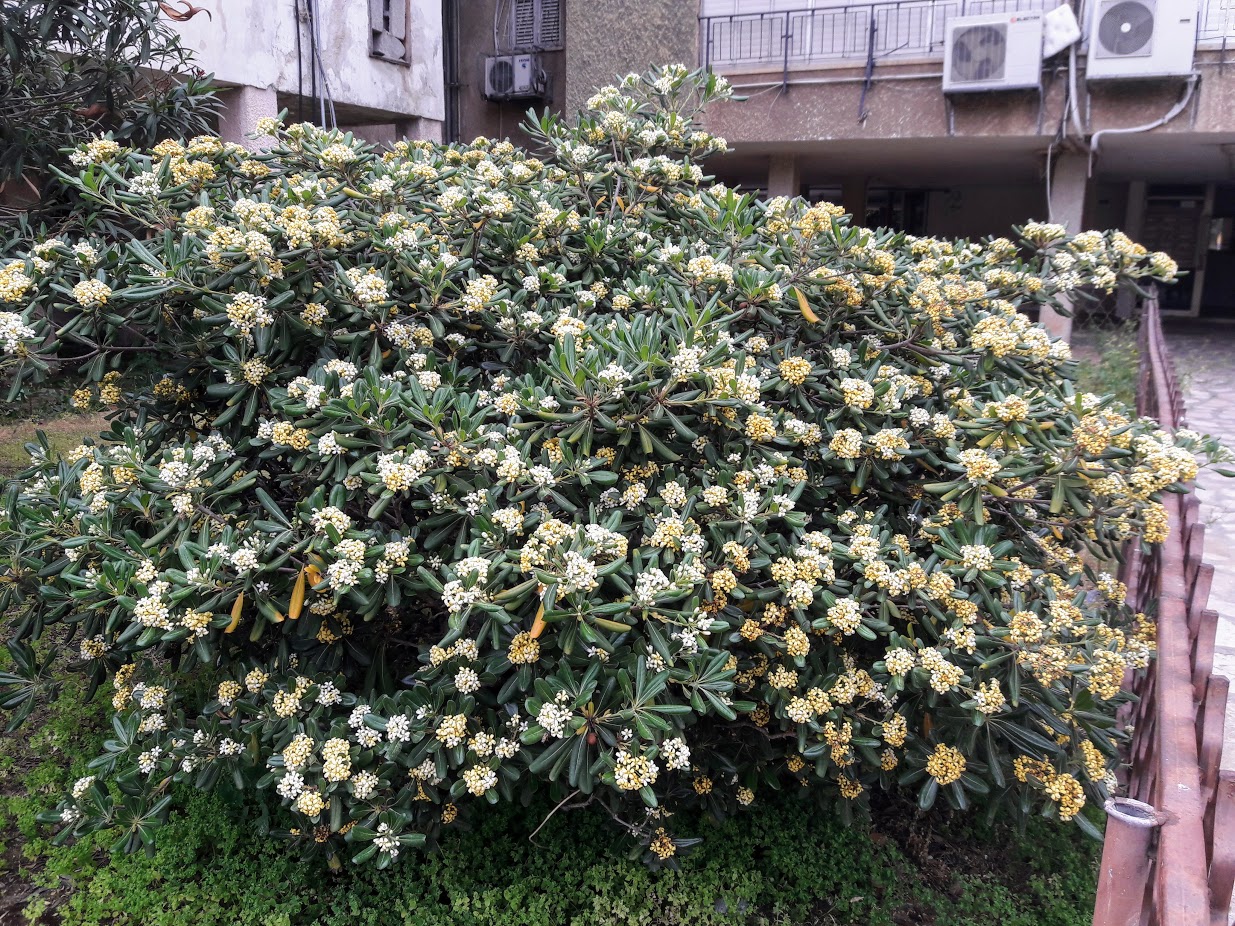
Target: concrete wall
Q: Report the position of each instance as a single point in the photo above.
(253, 43)
(739, 7)
(608, 38)
(976, 211)
(1108, 206)
(906, 102)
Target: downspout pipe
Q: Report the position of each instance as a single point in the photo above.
(450, 62)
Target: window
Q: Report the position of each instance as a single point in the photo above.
(388, 30)
(537, 25)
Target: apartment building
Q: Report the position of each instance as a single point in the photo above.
(948, 117)
(374, 66)
(504, 57)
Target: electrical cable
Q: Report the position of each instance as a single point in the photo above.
(1056, 141)
(334, 119)
(503, 6)
(317, 63)
(1179, 107)
(1050, 211)
(312, 53)
(325, 99)
(450, 56)
(868, 76)
(299, 67)
(1074, 99)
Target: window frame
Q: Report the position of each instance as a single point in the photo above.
(382, 12)
(556, 8)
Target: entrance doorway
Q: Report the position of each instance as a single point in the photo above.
(1218, 289)
(1174, 216)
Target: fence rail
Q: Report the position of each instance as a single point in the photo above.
(886, 29)
(1185, 879)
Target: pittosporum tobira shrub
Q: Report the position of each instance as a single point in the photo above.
(473, 474)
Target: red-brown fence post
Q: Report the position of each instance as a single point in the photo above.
(1123, 879)
(1177, 739)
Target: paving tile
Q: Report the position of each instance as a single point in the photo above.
(1205, 363)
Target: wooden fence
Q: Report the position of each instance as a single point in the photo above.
(1172, 863)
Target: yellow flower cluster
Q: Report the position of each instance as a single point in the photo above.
(846, 444)
(14, 282)
(946, 764)
(524, 649)
(794, 370)
(91, 294)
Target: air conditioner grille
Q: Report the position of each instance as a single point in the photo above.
(979, 53)
(1126, 28)
(501, 76)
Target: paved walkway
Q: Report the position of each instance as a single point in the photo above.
(1205, 362)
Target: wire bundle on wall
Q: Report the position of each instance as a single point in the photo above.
(317, 68)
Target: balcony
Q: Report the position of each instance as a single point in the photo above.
(1216, 26)
(833, 33)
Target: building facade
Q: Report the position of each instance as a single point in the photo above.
(373, 66)
(1132, 125)
(573, 47)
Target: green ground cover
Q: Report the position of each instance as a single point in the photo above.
(778, 863)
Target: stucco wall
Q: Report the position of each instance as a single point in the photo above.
(906, 102)
(975, 211)
(900, 104)
(608, 38)
(253, 42)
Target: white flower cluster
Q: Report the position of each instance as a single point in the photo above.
(13, 331)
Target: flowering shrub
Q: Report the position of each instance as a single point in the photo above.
(71, 69)
(473, 473)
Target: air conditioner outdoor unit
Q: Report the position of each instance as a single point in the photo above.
(1141, 38)
(1000, 51)
(514, 77)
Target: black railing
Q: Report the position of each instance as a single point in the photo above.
(884, 29)
(892, 28)
(1217, 22)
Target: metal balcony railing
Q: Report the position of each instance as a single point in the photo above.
(1217, 22)
(883, 29)
(889, 29)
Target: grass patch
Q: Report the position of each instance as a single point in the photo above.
(783, 863)
(63, 433)
(1109, 360)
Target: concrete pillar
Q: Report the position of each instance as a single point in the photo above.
(1069, 185)
(1133, 226)
(853, 198)
(243, 106)
(784, 178)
